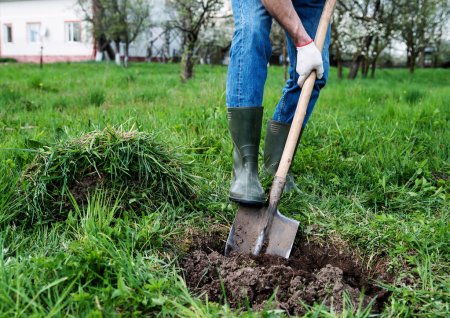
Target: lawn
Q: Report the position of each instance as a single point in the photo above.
(373, 167)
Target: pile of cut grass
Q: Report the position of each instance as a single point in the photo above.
(129, 165)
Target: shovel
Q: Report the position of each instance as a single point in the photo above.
(265, 229)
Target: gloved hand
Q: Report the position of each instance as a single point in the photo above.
(308, 59)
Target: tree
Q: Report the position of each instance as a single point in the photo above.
(94, 14)
(337, 45)
(190, 17)
(116, 20)
(215, 41)
(362, 29)
(384, 17)
(421, 23)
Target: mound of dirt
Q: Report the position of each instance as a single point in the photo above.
(313, 274)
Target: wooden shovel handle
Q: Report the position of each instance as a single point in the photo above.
(302, 105)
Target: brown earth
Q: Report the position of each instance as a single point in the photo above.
(87, 184)
(313, 274)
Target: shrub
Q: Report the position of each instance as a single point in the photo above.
(7, 60)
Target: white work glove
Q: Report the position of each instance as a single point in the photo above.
(308, 60)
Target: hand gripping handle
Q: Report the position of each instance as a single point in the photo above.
(302, 105)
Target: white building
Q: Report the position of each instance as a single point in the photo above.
(56, 29)
(55, 26)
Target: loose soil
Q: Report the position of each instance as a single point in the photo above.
(313, 274)
(87, 184)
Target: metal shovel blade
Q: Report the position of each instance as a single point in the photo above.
(252, 232)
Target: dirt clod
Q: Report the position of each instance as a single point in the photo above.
(313, 274)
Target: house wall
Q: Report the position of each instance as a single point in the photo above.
(52, 15)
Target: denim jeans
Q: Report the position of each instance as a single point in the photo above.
(250, 52)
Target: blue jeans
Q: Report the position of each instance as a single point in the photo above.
(250, 52)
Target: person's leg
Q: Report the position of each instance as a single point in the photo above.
(249, 54)
(247, 72)
(278, 128)
(309, 12)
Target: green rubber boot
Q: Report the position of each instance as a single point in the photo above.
(245, 129)
(276, 136)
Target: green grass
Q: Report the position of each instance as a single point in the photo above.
(125, 163)
(373, 166)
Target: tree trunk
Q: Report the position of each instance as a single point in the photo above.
(365, 67)
(41, 59)
(110, 51)
(355, 66)
(339, 62)
(408, 57)
(104, 46)
(411, 58)
(435, 60)
(412, 62)
(422, 57)
(373, 66)
(99, 56)
(127, 50)
(339, 68)
(117, 53)
(375, 54)
(187, 61)
(167, 47)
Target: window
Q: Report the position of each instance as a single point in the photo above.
(33, 30)
(7, 31)
(73, 32)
